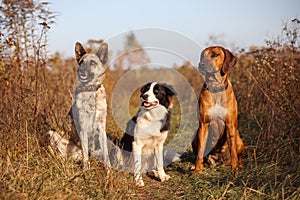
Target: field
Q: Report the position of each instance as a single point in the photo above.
(267, 88)
(36, 96)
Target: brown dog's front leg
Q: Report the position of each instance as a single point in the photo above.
(202, 139)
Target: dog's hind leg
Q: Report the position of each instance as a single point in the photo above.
(240, 150)
(231, 132)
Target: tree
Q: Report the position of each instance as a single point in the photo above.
(23, 28)
(133, 55)
(23, 43)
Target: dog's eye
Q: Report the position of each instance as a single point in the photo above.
(93, 63)
(155, 91)
(214, 54)
(80, 62)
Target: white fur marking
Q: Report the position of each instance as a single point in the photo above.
(151, 97)
(217, 111)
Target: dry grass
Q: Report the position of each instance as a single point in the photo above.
(266, 82)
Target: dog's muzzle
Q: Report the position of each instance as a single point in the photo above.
(206, 70)
(84, 75)
(146, 103)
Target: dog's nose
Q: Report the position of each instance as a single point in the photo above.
(81, 69)
(201, 64)
(145, 96)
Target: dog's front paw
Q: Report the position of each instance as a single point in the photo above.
(164, 178)
(140, 183)
(86, 165)
(193, 167)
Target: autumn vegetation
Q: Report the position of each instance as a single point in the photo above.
(36, 96)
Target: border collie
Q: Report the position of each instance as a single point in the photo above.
(147, 131)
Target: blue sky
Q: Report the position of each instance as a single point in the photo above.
(244, 23)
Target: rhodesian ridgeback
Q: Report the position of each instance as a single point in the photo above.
(218, 120)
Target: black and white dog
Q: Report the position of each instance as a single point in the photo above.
(148, 129)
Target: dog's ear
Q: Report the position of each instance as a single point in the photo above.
(229, 61)
(170, 90)
(145, 87)
(102, 53)
(170, 93)
(79, 51)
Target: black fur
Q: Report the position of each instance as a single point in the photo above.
(162, 92)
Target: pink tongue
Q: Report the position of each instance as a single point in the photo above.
(147, 104)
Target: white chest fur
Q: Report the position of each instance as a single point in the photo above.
(217, 111)
(150, 122)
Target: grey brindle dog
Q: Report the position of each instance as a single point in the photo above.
(89, 109)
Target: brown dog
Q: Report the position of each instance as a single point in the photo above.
(218, 110)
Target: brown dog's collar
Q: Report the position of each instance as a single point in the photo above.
(215, 89)
(87, 88)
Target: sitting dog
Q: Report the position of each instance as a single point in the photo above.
(218, 118)
(88, 112)
(148, 129)
(89, 109)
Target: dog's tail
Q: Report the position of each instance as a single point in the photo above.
(119, 158)
(170, 156)
(65, 147)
